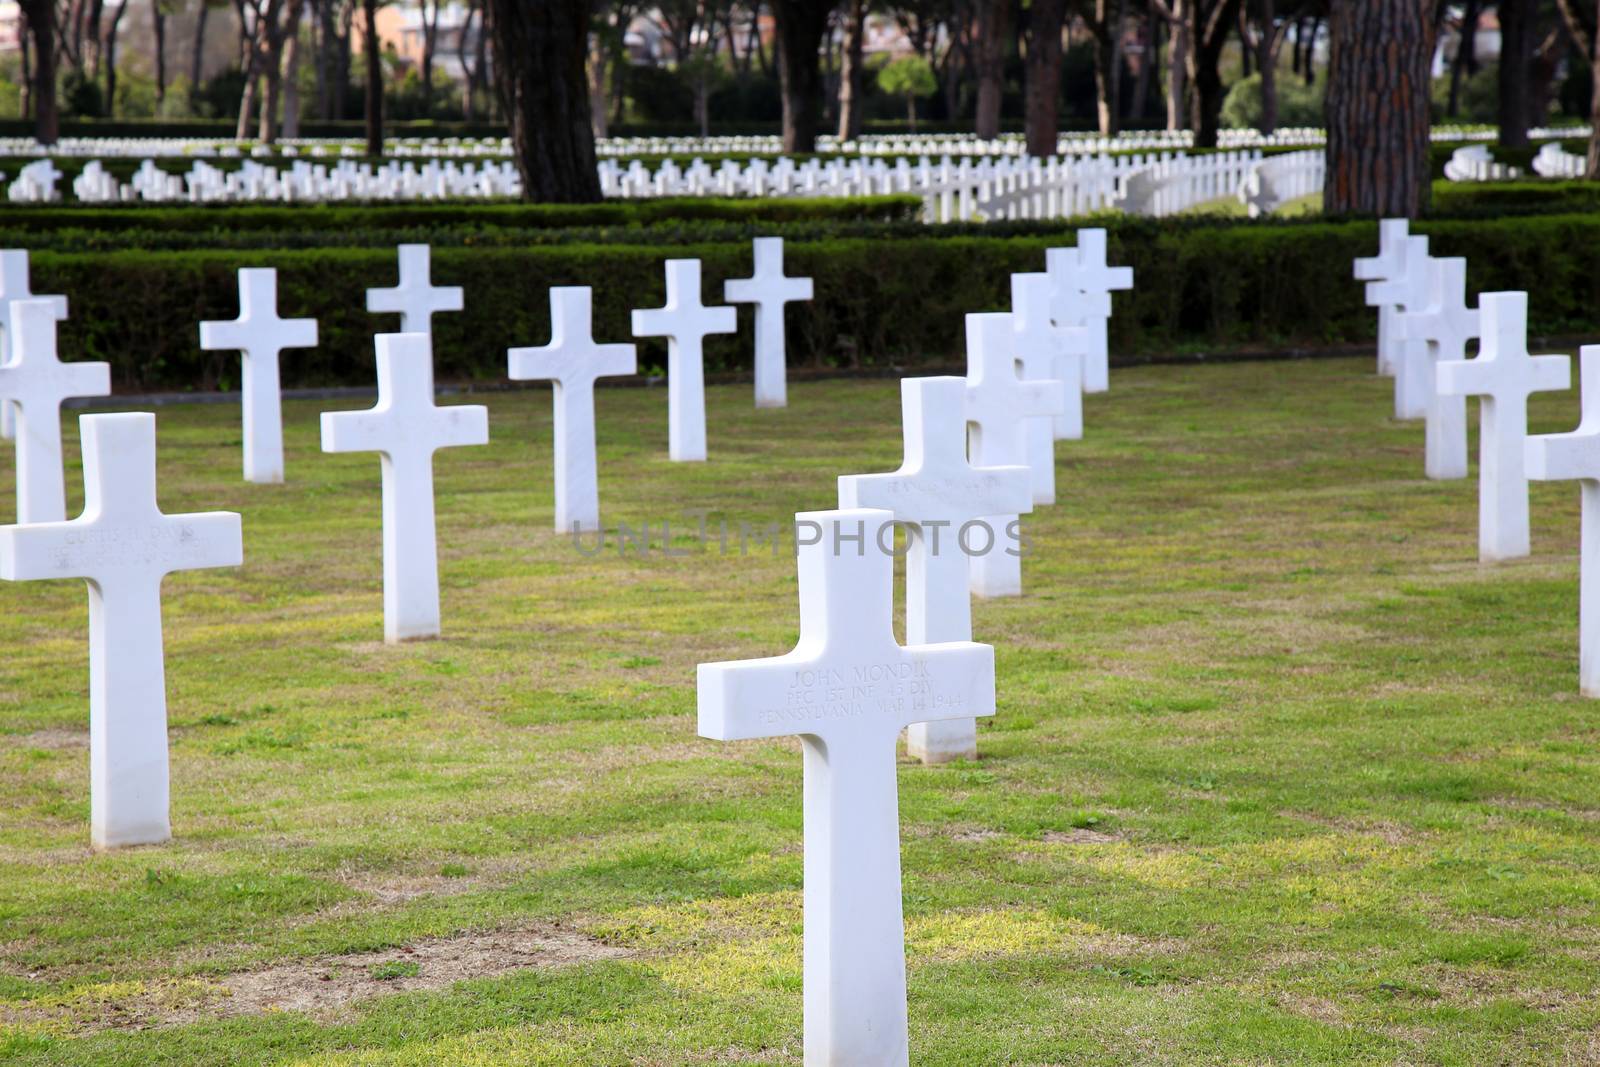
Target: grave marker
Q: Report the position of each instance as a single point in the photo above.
(14, 285)
(407, 428)
(1088, 272)
(999, 408)
(1045, 350)
(685, 322)
(1406, 292)
(1504, 375)
(769, 290)
(847, 690)
(1576, 456)
(935, 493)
(1388, 263)
(1443, 328)
(123, 546)
(34, 382)
(260, 336)
(571, 362)
(416, 298)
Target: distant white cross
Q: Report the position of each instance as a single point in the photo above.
(1576, 456)
(14, 286)
(572, 361)
(416, 298)
(1047, 352)
(936, 493)
(34, 382)
(1442, 329)
(1071, 308)
(407, 429)
(999, 407)
(260, 335)
(123, 546)
(847, 690)
(1388, 263)
(1088, 272)
(1504, 375)
(1406, 292)
(769, 290)
(685, 323)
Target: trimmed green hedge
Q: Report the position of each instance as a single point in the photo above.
(886, 301)
(1535, 196)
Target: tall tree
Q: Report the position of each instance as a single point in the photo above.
(1176, 14)
(158, 25)
(111, 58)
(1042, 72)
(1377, 108)
(852, 80)
(800, 25)
(539, 52)
(1103, 20)
(1466, 57)
(373, 55)
(197, 50)
(41, 16)
(1583, 27)
(1516, 50)
(1210, 22)
(994, 18)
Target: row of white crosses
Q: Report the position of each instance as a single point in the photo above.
(1423, 328)
(847, 690)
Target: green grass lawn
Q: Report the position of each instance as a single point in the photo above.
(1280, 774)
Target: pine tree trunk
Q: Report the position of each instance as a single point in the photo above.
(1108, 66)
(1267, 60)
(991, 64)
(539, 53)
(1592, 170)
(1516, 49)
(111, 61)
(800, 25)
(1177, 65)
(852, 86)
(42, 24)
(1043, 72)
(291, 71)
(158, 21)
(197, 52)
(1377, 108)
(1210, 22)
(374, 62)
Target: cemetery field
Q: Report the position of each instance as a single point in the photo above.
(1280, 774)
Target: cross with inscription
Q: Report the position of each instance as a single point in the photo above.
(999, 407)
(1576, 456)
(14, 285)
(123, 546)
(406, 428)
(769, 290)
(847, 690)
(1388, 263)
(1406, 292)
(1504, 376)
(571, 362)
(685, 322)
(1443, 328)
(35, 382)
(1044, 351)
(1087, 272)
(935, 493)
(260, 335)
(416, 298)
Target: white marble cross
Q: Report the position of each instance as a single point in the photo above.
(123, 546)
(1071, 308)
(407, 428)
(1086, 270)
(14, 285)
(847, 690)
(1406, 292)
(1576, 456)
(260, 335)
(685, 322)
(999, 407)
(416, 298)
(572, 361)
(769, 290)
(1504, 375)
(1047, 352)
(34, 382)
(1388, 263)
(935, 494)
(1441, 331)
